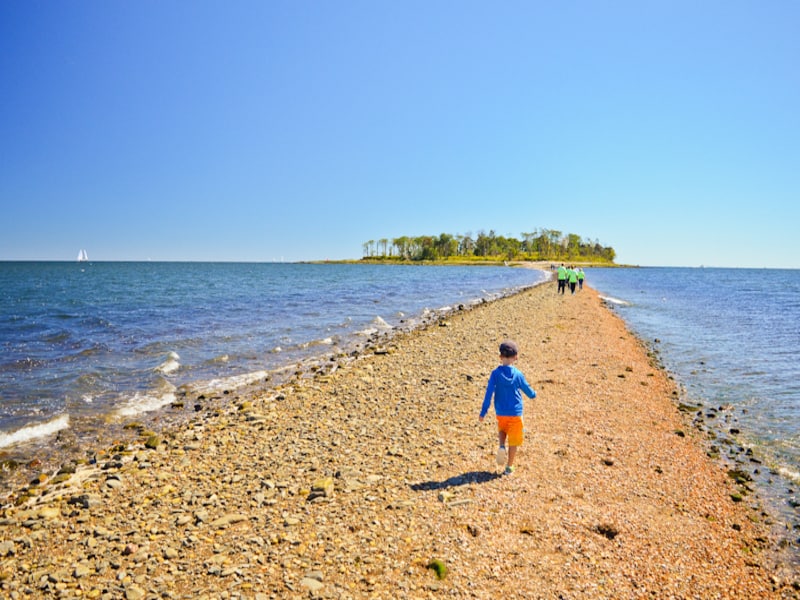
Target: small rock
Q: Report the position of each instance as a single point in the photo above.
(229, 519)
(84, 501)
(324, 484)
(312, 585)
(318, 575)
(49, 512)
(114, 482)
(130, 549)
(81, 571)
(460, 502)
(134, 593)
(322, 488)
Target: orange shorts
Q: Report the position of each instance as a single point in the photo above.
(513, 428)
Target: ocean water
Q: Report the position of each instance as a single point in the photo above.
(84, 345)
(731, 338)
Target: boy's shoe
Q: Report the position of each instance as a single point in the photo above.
(509, 470)
(502, 456)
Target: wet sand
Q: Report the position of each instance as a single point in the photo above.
(378, 481)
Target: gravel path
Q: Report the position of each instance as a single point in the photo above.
(378, 481)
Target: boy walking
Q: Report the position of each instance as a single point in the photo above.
(506, 384)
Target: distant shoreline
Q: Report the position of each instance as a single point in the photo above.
(543, 265)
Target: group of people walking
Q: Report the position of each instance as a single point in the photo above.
(572, 276)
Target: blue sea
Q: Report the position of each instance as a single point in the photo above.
(85, 345)
(731, 339)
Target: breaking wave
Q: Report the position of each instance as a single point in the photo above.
(32, 432)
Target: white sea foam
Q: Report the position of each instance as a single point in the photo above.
(380, 323)
(323, 342)
(229, 383)
(612, 300)
(790, 474)
(377, 325)
(32, 432)
(141, 403)
(170, 364)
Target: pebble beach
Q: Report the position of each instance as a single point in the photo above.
(373, 478)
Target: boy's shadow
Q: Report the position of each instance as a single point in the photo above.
(455, 481)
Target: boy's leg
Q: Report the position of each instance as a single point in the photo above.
(502, 435)
(512, 452)
(515, 438)
(502, 453)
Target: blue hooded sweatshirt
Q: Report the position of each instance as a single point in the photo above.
(506, 383)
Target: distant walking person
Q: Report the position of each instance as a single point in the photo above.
(562, 279)
(573, 278)
(581, 277)
(506, 384)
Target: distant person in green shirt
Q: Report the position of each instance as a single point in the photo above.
(573, 278)
(562, 279)
(581, 277)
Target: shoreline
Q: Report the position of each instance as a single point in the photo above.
(80, 428)
(350, 483)
(84, 438)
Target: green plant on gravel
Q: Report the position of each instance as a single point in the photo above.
(438, 567)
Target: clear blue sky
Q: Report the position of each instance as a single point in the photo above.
(298, 130)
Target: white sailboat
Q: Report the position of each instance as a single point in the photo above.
(83, 256)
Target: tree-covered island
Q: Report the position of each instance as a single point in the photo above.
(539, 245)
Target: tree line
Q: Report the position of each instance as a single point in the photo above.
(541, 244)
